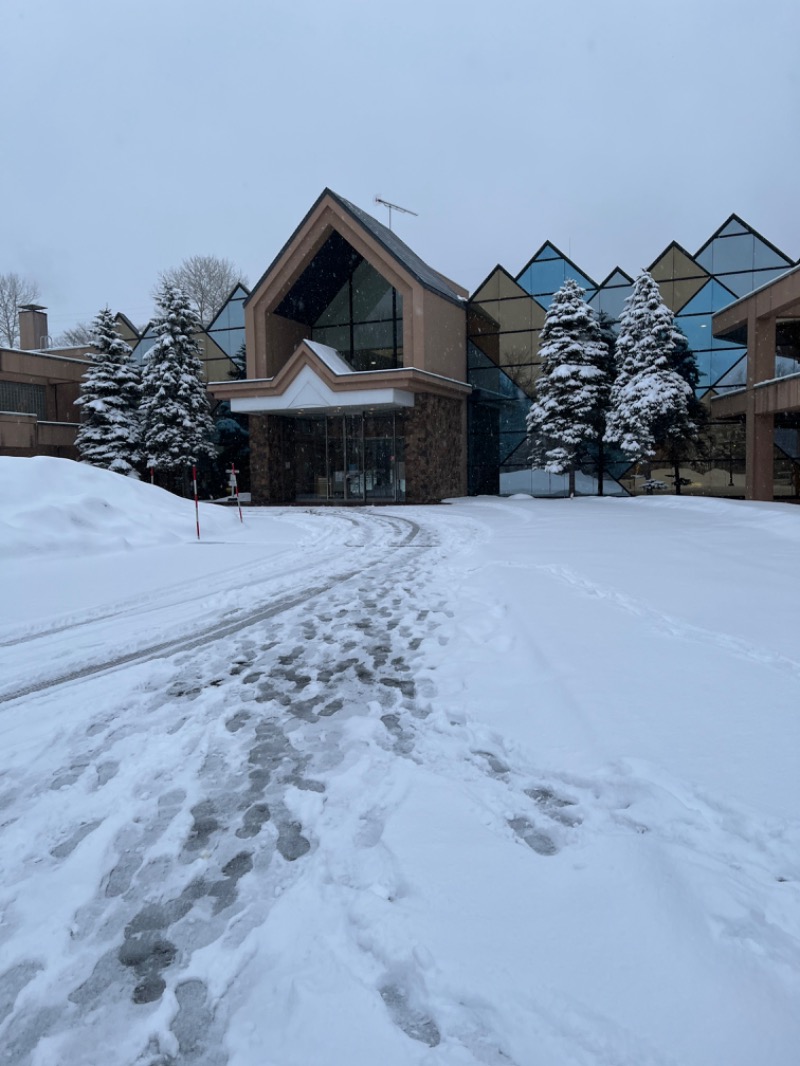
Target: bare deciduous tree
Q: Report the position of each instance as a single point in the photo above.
(15, 291)
(207, 280)
(81, 333)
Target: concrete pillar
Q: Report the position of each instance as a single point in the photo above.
(759, 473)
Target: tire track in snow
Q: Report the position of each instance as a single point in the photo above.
(410, 531)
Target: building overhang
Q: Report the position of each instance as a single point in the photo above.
(309, 394)
(316, 380)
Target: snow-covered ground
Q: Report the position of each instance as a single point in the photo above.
(510, 782)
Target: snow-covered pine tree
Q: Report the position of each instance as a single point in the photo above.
(110, 433)
(177, 425)
(573, 386)
(648, 397)
(680, 435)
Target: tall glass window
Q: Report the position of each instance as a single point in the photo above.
(364, 321)
(344, 302)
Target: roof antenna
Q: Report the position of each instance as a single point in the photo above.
(395, 207)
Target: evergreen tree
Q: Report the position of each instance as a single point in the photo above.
(679, 435)
(608, 338)
(573, 386)
(177, 425)
(648, 397)
(110, 432)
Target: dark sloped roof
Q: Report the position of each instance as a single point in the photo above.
(399, 251)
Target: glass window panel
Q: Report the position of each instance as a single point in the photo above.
(488, 320)
(611, 300)
(732, 229)
(512, 442)
(230, 340)
(489, 346)
(524, 376)
(485, 378)
(373, 335)
(337, 337)
(338, 310)
(372, 294)
(516, 348)
(761, 277)
(513, 417)
(545, 277)
(741, 283)
(703, 368)
(720, 345)
(729, 254)
(788, 440)
(697, 330)
(721, 362)
(475, 357)
(490, 290)
(736, 377)
(23, 398)
(766, 257)
(516, 314)
(712, 297)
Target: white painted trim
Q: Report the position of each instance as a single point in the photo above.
(308, 392)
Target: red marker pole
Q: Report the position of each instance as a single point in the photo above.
(196, 503)
(236, 490)
(152, 475)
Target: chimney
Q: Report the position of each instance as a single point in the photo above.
(33, 334)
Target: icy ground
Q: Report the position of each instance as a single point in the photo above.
(505, 782)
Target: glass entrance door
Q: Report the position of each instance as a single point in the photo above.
(355, 458)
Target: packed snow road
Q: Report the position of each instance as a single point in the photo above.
(183, 617)
(474, 784)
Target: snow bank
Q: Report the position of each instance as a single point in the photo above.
(62, 507)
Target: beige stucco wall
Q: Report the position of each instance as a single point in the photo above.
(444, 337)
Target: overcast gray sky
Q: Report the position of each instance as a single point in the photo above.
(138, 133)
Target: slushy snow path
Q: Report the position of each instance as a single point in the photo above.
(508, 782)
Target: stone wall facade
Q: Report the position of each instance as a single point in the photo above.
(272, 459)
(435, 438)
(435, 449)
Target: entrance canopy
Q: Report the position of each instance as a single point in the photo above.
(316, 380)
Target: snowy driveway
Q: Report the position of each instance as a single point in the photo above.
(384, 786)
(195, 750)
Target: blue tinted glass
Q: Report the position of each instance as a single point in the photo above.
(721, 363)
(729, 254)
(712, 297)
(231, 314)
(143, 347)
(767, 257)
(229, 340)
(611, 300)
(735, 378)
(761, 277)
(788, 440)
(704, 369)
(740, 283)
(512, 443)
(732, 229)
(544, 277)
(724, 346)
(546, 274)
(697, 330)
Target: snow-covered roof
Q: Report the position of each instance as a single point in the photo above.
(330, 357)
